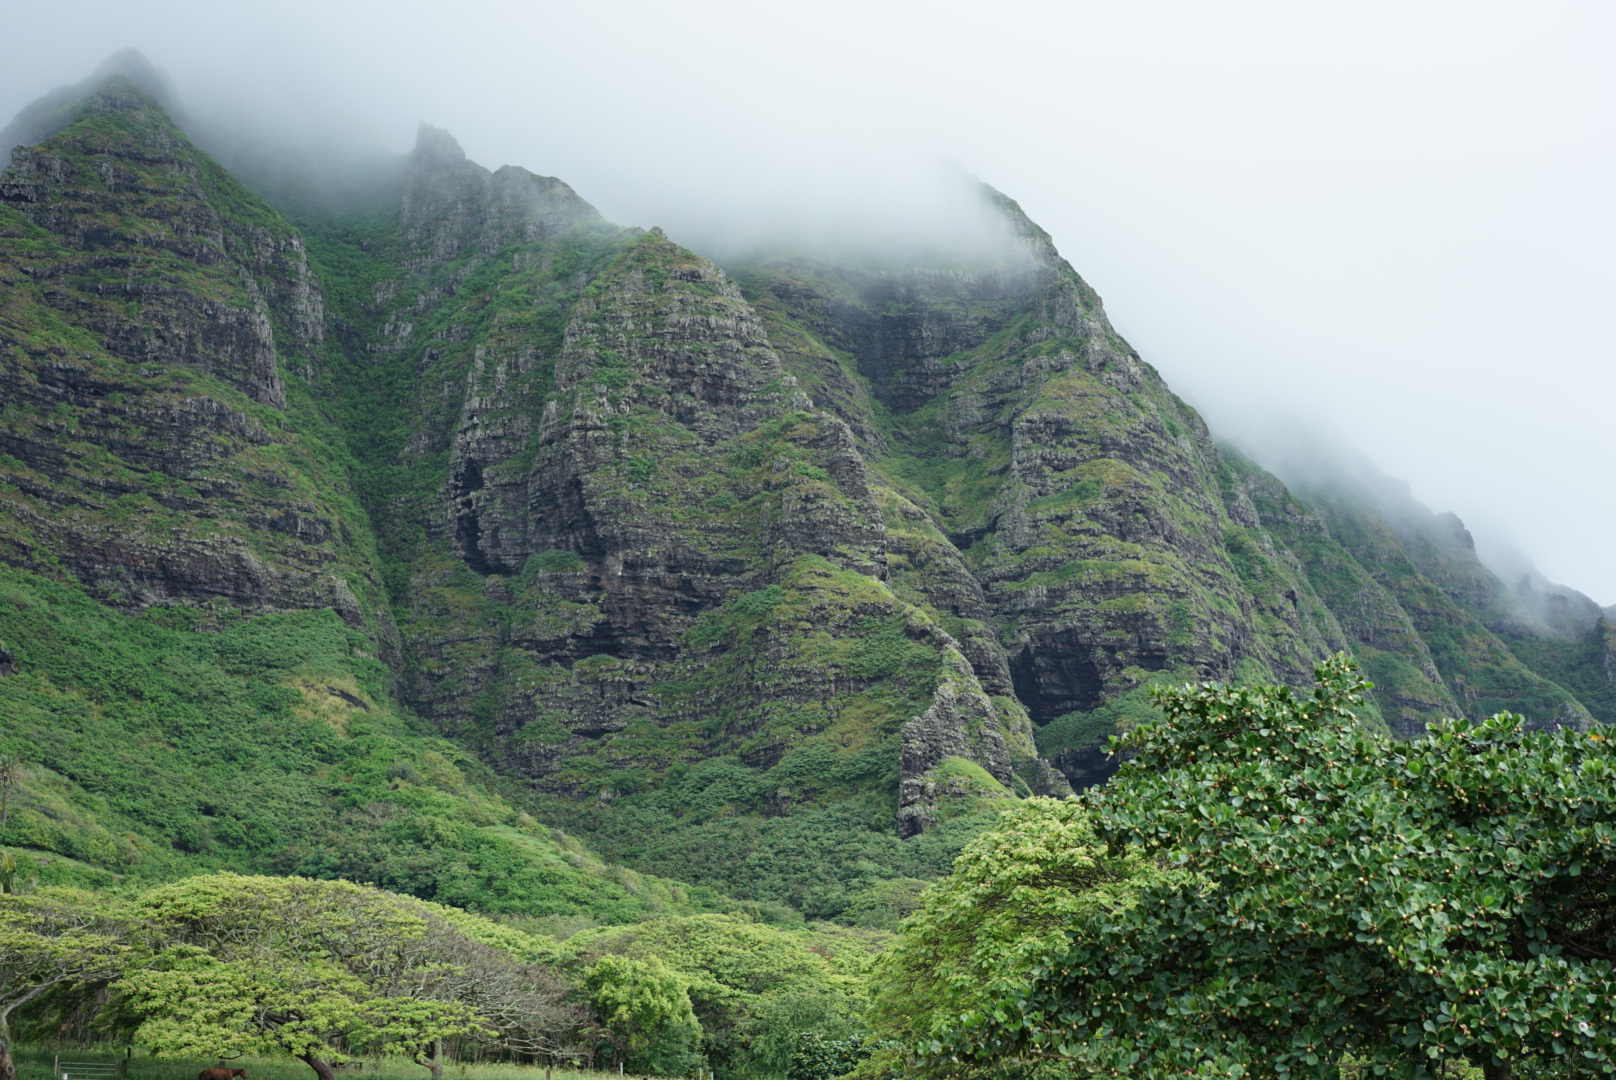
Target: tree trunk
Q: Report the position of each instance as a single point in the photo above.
(1500, 1071)
(322, 1067)
(8, 1067)
(431, 1056)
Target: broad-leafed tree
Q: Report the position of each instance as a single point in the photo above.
(54, 939)
(1345, 896)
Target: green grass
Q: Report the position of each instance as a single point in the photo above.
(34, 1062)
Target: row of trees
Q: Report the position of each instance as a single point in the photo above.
(1269, 888)
(224, 965)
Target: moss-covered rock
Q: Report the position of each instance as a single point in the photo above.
(623, 538)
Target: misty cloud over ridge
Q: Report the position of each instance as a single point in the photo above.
(1384, 219)
(52, 111)
(1322, 465)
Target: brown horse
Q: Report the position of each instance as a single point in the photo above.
(222, 1074)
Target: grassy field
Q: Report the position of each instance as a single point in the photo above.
(34, 1063)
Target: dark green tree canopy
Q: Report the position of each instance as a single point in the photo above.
(1348, 894)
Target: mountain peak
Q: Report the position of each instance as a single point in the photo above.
(456, 202)
(148, 77)
(56, 110)
(436, 144)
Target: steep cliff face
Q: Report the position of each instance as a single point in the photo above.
(181, 546)
(628, 543)
(1046, 496)
(1409, 691)
(745, 574)
(1434, 626)
(151, 313)
(189, 602)
(1052, 502)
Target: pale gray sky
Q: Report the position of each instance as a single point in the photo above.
(1389, 221)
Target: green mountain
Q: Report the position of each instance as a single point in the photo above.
(450, 537)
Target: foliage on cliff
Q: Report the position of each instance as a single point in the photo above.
(156, 747)
(196, 635)
(629, 565)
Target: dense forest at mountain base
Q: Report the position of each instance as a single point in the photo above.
(36, 1060)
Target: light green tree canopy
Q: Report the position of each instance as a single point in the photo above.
(1406, 903)
(296, 966)
(753, 988)
(55, 938)
(645, 1006)
(1017, 893)
(199, 1006)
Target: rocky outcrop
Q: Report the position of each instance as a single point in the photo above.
(1049, 499)
(450, 204)
(134, 230)
(665, 338)
(961, 724)
(1071, 520)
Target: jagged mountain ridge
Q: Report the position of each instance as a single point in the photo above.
(628, 472)
(681, 549)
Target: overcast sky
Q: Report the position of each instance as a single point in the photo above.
(1392, 222)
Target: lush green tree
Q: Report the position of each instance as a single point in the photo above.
(196, 1005)
(316, 969)
(54, 939)
(753, 988)
(1346, 894)
(821, 1057)
(645, 1008)
(1018, 893)
(773, 1032)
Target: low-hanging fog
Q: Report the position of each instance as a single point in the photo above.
(1381, 223)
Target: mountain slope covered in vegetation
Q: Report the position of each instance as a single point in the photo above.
(417, 538)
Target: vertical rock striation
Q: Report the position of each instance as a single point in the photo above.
(643, 547)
